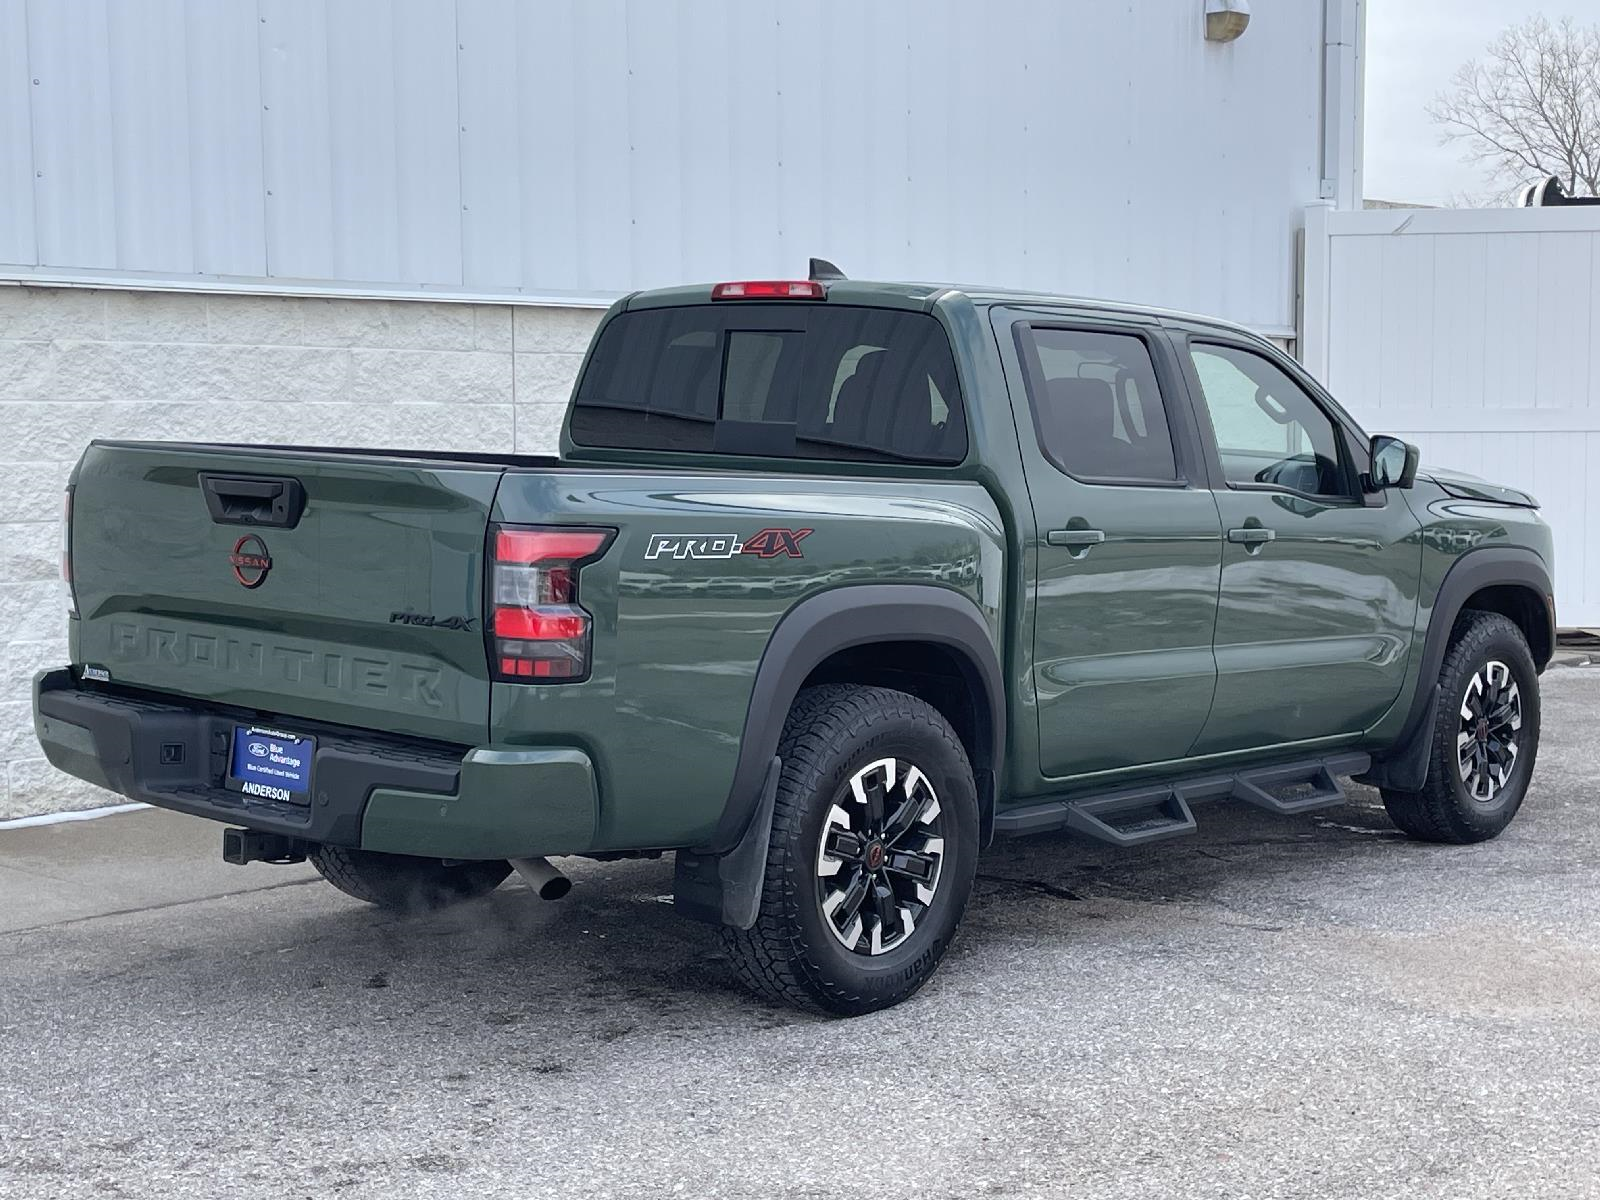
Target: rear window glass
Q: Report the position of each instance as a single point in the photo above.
(776, 380)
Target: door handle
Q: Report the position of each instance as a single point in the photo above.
(1252, 535)
(1076, 538)
(1078, 542)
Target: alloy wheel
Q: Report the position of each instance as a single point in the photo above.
(1486, 741)
(880, 857)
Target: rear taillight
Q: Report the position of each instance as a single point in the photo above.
(66, 551)
(537, 630)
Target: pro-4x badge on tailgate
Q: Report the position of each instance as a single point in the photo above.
(406, 617)
(768, 543)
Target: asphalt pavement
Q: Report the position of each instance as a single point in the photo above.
(1277, 1007)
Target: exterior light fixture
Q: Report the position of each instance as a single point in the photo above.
(1226, 19)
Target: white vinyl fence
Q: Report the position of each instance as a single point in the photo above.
(1475, 334)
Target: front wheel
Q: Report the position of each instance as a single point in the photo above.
(873, 852)
(1485, 737)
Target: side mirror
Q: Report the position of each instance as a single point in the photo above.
(1394, 463)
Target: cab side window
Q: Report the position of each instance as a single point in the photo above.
(1268, 429)
(1097, 408)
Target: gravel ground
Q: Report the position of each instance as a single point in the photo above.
(1277, 1007)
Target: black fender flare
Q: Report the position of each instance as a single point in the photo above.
(720, 881)
(1404, 764)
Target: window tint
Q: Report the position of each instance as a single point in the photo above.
(782, 380)
(1268, 429)
(1097, 407)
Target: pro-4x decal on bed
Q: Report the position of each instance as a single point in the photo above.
(767, 543)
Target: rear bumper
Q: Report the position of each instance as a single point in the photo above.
(372, 792)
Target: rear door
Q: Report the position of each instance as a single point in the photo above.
(1128, 543)
(333, 588)
(1319, 579)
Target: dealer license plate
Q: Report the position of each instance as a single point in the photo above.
(271, 764)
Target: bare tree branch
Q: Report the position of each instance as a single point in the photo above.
(1531, 108)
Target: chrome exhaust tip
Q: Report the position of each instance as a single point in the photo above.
(547, 882)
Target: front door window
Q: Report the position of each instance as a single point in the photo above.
(1268, 430)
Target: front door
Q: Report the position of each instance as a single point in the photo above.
(1319, 578)
(1128, 546)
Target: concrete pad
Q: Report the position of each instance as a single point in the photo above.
(1296, 1008)
(117, 864)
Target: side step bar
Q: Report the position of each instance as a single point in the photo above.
(1292, 789)
(1135, 816)
(1131, 818)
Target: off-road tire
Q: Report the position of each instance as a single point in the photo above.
(402, 883)
(792, 955)
(1443, 810)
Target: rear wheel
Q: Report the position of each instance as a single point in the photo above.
(1485, 737)
(403, 883)
(872, 856)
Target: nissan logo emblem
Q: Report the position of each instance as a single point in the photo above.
(250, 561)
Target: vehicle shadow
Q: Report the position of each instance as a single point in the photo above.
(615, 955)
(513, 984)
(1235, 845)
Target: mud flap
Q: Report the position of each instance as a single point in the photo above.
(725, 889)
(1405, 767)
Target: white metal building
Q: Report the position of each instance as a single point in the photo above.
(581, 148)
(392, 221)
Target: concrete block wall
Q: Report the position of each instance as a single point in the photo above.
(79, 363)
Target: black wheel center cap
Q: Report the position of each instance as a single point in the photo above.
(1483, 729)
(874, 855)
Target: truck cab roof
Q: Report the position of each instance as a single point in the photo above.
(923, 296)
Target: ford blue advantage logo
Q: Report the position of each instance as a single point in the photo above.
(257, 749)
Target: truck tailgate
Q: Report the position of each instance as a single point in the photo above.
(368, 611)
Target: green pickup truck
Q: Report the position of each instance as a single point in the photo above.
(832, 583)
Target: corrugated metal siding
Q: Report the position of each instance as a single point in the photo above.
(18, 241)
(224, 118)
(1476, 334)
(586, 147)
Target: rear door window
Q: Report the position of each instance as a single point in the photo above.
(1097, 408)
(774, 380)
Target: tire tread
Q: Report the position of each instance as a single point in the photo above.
(770, 958)
(1433, 812)
(403, 884)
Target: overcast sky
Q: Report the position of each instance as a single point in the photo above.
(1413, 47)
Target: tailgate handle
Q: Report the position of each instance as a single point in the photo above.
(254, 500)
